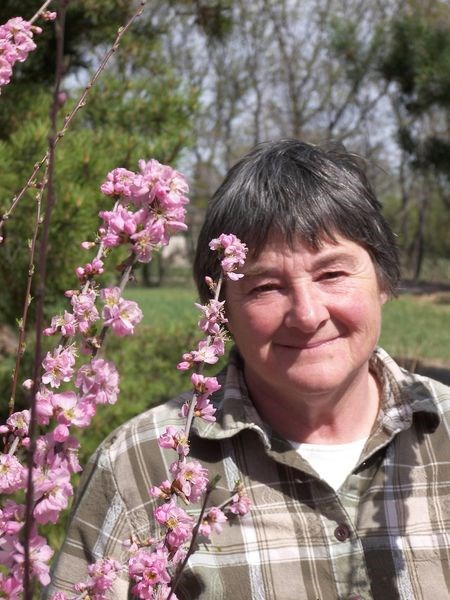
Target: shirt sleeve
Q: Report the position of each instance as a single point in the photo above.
(98, 526)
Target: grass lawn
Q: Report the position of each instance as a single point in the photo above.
(418, 327)
(163, 306)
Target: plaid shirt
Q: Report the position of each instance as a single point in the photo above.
(384, 535)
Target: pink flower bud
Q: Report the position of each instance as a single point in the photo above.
(79, 272)
(87, 245)
(48, 15)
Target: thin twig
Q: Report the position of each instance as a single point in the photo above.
(27, 301)
(69, 118)
(190, 550)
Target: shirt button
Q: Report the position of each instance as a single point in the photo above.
(342, 532)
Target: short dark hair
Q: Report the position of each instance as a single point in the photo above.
(302, 191)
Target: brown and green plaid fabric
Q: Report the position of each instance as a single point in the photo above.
(385, 534)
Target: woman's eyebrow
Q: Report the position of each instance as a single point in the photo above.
(261, 271)
(335, 258)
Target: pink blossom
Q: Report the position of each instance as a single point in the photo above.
(98, 381)
(162, 491)
(206, 352)
(16, 41)
(52, 490)
(48, 15)
(58, 366)
(84, 309)
(12, 518)
(174, 220)
(20, 33)
(28, 384)
(191, 479)
(175, 439)
(213, 522)
(204, 386)
(232, 252)
(161, 182)
(121, 315)
(11, 585)
(147, 239)
(147, 570)
(44, 405)
(90, 270)
(118, 183)
(213, 316)
(102, 575)
(51, 454)
(40, 555)
(70, 411)
(240, 504)
(17, 423)
(186, 363)
(119, 225)
(12, 474)
(65, 323)
(176, 520)
(218, 342)
(203, 409)
(5, 72)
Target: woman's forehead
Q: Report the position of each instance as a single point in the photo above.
(277, 249)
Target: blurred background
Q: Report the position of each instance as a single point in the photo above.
(195, 84)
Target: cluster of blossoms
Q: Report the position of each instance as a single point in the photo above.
(55, 458)
(232, 253)
(16, 42)
(151, 208)
(148, 208)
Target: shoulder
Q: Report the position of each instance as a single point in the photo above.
(421, 393)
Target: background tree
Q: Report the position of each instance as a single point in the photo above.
(417, 62)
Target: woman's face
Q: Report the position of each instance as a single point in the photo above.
(305, 321)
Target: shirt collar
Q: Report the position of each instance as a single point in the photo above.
(234, 409)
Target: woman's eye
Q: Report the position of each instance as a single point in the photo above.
(265, 287)
(332, 275)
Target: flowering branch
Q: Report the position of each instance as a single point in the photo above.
(40, 294)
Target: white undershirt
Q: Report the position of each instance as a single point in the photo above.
(333, 462)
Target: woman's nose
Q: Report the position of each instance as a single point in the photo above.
(307, 310)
